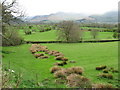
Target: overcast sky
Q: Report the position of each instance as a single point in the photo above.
(44, 7)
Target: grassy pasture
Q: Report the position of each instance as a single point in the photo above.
(52, 36)
(40, 36)
(86, 55)
(96, 28)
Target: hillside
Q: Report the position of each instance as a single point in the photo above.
(57, 17)
(108, 17)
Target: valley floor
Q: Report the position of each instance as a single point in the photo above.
(86, 55)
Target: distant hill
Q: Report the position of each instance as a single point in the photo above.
(109, 17)
(57, 17)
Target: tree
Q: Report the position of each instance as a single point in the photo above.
(94, 33)
(10, 13)
(68, 31)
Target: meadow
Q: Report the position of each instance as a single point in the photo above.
(52, 36)
(86, 55)
(58, 50)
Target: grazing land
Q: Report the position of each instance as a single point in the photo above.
(52, 36)
(88, 56)
(58, 50)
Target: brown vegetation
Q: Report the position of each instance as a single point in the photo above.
(105, 70)
(102, 86)
(38, 55)
(42, 57)
(58, 58)
(55, 68)
(101, 67)
(106, 75)
(36, 48)
(64, 59)
(75, 80)
(60, 74)
(76, 70)
(72, 61)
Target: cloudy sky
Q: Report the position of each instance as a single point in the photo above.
(44, 7)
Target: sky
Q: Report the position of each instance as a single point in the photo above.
(45, 7)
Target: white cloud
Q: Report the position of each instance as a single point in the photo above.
(41, 7)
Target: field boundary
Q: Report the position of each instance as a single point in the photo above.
(93, 41)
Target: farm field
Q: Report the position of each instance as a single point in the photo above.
(44, 45)
(86, 55)
(52, 36)
(96, 28)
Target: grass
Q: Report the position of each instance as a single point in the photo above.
(93, 28)
(96, 28)
(86, 55)
(40, 36)
(52, 36)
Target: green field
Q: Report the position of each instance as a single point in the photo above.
(86, 55)
(58, 49)
(96, 28)
(40, 36)
(52, 36)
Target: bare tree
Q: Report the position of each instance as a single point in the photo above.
(68, 31)
(10, 13)
(94, 33)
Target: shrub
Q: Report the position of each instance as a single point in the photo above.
(33, 51)
(54, 69)
(30, 27)
(116, 35)
(42, 57)
(111, 69)
(10, 36)
(50, 53)
(105, 71)
(102, 86)
(46, 52)
(58, 54)
(65, 59)
(76, 70)
(58, 58)
(104, 75)
(55, 53)
(33, 30)
(37, 48)
(115, 71)
(72, 61)
(60, 63)
(64, 62)
(60, 81)
(28, 32)
(38, 55)
(75, 80)
(60, 74)
(101, 67)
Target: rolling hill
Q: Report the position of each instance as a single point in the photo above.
(108, 17)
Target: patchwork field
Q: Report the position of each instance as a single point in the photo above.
(52, 36)
(86, 55)
(61, 49)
